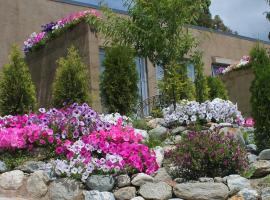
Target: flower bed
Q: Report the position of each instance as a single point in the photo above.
(52, 29)
(190, 112)
(89, 142)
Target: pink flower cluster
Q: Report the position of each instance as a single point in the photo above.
(35, 38)
(108, 150)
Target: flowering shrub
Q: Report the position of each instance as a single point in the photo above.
(208, 154)
(91, 142)
(218, 110)
(245, 60)
(52, 28)
(107, 150)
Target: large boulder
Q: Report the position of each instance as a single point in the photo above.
(36, 184)
(101, 183)
(11, 180)
(123, 180)
(201, 191)
(265, 154)
(265, 193)
(237, 183)
(261, 168)
(96, 195)
(159, 151)
(141, 179)
(157, 191)
(32, 166)
(125, 193)
(236, 132)
(153, 123)
(143, 133)
(178, 130)
(159, 132)
(248, 194)
(162, 175)
(65, 188)
(3, 167)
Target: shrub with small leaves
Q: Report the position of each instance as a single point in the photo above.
(17, 91)
(208, 154)
(71, 82)
(217, 88)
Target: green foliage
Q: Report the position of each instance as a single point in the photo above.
(140, 124)
(71, 82)
(119, 80)
(217, 88)
(17, 91)
(175, 85)
(260, 96)
(208, 154)
(153, 141)
(201, 86)
(156, 112)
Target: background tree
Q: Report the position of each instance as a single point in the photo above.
(201, 85)
(71, 82)
(217, 88)
(219, 25)
(17, 91)
(119, 80)
(268, 16)
(157, 30)
(260, 96)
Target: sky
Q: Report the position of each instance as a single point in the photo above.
(244, 16)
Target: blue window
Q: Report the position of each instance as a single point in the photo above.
(101, 59)
(190, 72)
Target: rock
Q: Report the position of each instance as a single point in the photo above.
(162, 175)
(236, 132)
(261, 168)
(64, 188)
(179, 180)
(156, 122)
(201, 191)
(3, 167)
(96, 195)
(141, 179)
(206, 179)
(32, 166)
(175, 199)
(159, 132)
(177, 139)
(265, 193)
(143, 133)
(157, 191)
(252, 148)
(251, 158)
(159, 151)
(264, 155)
(237, 183)
(248, 194)
(36, 184)
(178, 130)
(123, 180)
(168, 141)
(137, 198)
(101, 183)
(125, 193)
(218, 180)
(11, 180)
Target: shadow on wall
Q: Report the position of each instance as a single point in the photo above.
(238, 83)
(42, 62)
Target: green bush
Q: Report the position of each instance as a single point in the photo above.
(140, 124)
(260, 96)
(17, 91)
(71, 82)
(176, 85)
(201, 86)
(217, 88)
(208, 154)
(119, 90)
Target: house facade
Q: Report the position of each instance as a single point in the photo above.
(19, 18)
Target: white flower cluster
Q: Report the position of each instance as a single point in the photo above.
(218, 110)
(114, 117)
(85, 165)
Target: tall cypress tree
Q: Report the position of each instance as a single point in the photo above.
(17, 91)
(71, 84)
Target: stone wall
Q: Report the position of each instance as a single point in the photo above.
(42, 63)
(238, 84)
